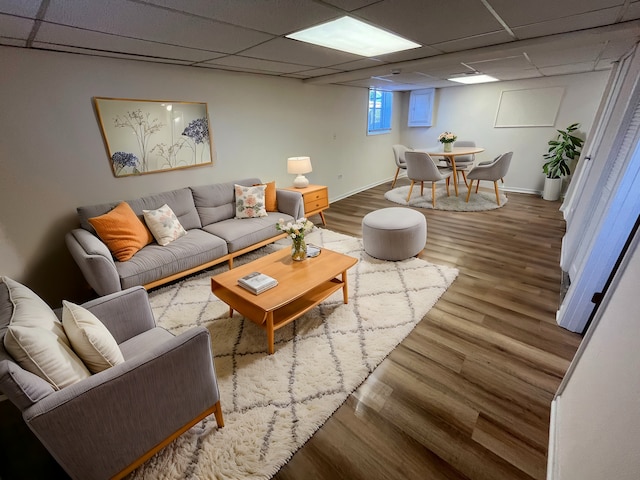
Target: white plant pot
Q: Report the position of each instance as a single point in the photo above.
(552, 189)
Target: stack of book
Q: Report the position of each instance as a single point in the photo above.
(257, 282)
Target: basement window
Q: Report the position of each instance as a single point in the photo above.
(380, 105)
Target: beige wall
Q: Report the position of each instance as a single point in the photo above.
(470, 111)
(53, 157)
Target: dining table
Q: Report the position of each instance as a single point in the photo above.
(451, 155)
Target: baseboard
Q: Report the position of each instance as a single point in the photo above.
(552, 455)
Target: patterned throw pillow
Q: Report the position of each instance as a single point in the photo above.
(250, 201)
(164, 225)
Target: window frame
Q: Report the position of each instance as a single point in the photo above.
(383, 124)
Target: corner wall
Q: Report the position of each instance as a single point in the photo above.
(53, 158)
(470, 111)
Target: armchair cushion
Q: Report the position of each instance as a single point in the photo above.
(36, 340)
(90, 339)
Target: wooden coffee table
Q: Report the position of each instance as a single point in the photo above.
(301, 286)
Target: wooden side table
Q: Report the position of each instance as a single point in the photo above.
(315, 198)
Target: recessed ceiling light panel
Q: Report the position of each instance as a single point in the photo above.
(353, 36)
(469, 79)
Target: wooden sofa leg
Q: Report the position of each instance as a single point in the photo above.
(218, 414)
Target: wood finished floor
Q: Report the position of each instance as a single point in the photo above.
(467, 394)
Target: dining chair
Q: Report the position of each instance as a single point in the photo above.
(463, 162)
(422, 168)
(398, 153)
(493, 172)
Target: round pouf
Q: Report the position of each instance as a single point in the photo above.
(394, 233)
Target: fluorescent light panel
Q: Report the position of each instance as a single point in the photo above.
(350, 35)
(469, 79)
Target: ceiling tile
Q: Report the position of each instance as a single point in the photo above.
(633, 12)
(351, 5)
(565, 69)
(358, 64)
(15, 27)
(316, 72)
(559, 25)
(517, 62)
(419, 21)
(50, 33)
(94, 53)
(550, 58)
(257, 64)
(517, 14)
(408, 77)
(292, 51)
(277, 18)
(519, 74)
(26, 8)
(412, 54)
(151, 23)
(478, 41)
(12, 42)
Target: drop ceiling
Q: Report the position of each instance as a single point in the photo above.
(508, 39)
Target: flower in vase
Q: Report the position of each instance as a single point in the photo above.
(296, 229)
(447, 137)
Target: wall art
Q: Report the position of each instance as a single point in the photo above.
(147, 136)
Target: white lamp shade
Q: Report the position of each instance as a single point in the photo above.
(299, 166)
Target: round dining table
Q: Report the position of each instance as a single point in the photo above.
(455, 151)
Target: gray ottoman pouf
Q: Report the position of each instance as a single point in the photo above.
(394, 233)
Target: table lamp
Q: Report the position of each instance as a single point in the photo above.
(299, 166)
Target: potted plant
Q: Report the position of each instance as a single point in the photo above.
(564, 148)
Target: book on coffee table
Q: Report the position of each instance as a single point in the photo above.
(257, 282)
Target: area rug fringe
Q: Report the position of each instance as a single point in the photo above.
(273, 404)
(478, 202)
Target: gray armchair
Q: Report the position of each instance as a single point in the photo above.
(422, 168)
(111, 422)
(492, 171)
(401, 163)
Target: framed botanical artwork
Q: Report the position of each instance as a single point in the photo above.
(147, 136)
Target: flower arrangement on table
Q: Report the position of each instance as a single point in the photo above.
(447, 139)
(296, 232)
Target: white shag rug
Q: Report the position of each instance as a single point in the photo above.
(477, 202)
(272, 404)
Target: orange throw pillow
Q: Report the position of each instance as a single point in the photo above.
(122, 231)
(270, 201)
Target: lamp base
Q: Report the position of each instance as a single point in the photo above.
(301, 182)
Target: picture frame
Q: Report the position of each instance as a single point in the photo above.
(150, 136)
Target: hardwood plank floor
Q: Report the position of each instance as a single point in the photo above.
(467, 394)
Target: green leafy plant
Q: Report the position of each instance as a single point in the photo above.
(563, 148)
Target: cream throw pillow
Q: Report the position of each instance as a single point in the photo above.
(164, 224)
(36, 340)
(250, 201)
(90, 339)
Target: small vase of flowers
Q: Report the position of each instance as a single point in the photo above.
(447, 139)
(296, 232)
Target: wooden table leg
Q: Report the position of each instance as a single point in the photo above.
(455, 174)
(270, 333)
(230, 312)
(345, 288)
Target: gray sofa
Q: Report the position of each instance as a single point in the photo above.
(214, 235)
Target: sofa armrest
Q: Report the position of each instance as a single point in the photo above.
(290, 202)
(100, 425)
(95, 261)
(125, 314)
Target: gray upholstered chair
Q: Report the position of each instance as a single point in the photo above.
(421, 168)
(464, 163)
(109, 423)
(398, 155)
(492, 172)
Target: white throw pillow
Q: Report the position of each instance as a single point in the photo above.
(36, 340)
(90, 339)
(250, 201)
(164, 224)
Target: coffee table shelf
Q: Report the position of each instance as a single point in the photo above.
(301, 287)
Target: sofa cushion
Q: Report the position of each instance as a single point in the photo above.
(217, 201)
(122, 231)
(243, 233)
(36, 340)
(164, 224)
(250, 201)
(270, 200)
(180, 201)
(90, 339)
(154, 262)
